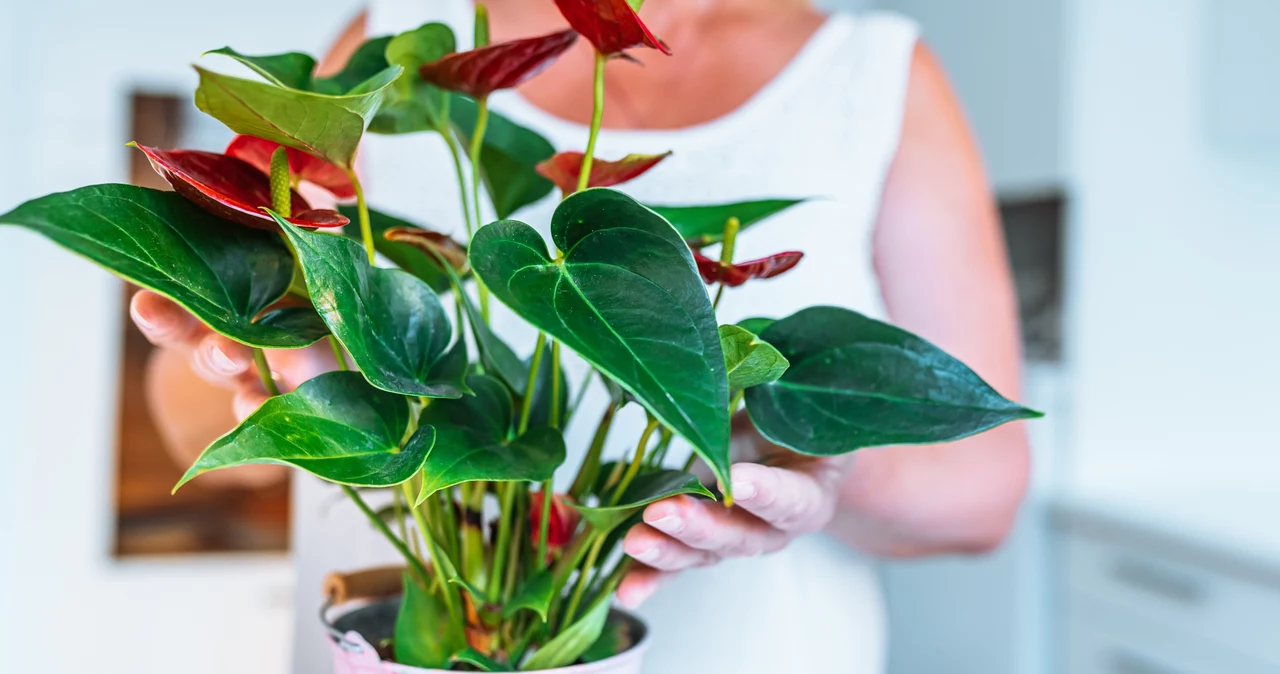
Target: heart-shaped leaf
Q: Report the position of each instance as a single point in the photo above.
(368, 60)
(414, 104)
(480, 72)
(231, 188)
(391, 323)
(704, 225)
(440, 248)
(612, 26)
(535, 595)
(734, 275)
(302, 166)
(643, 490)
(292, 70)
(565, 169)
(750, 360)
(328, 127)
(335, 427)
(509, 156)
(226, 276)
(572, 641)
(855, 382)
(471, 441)
(403, 255)
(626, 297)
(757, 324)
(425, 636)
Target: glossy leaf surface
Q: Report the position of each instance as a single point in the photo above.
(855, 382)
(509, 156)
(704, 225)
(734, 275)
(565, 169)
(231, 188)
(368, 60)
(328, 127)
(302, 166)
(644, 490)
(413, 104)
(335, 427)
(403, 255)
(572, 641)
(292, 69)
(391, 323)
(535, 595)
(480, 72)
(750, 360)
(472, 441)
(424, 635)
(612, 26)
(627, 298)
(439, 248)
(226, 276)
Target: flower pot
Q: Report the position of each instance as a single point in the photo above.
(354, 625)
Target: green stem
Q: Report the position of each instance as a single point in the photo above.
(577, 399)
(556, 383)
(526, 404)
(544, 524)
(477, 143)
(438, 557)
(590, 468)
(731, 228)
(382, 527)
(264, 372)
(580, 587)
(494, 593)
(456, 154)
(636, 461)
(396, 499)
(597, 114)
(719, 293)
(366, 227)
(339, 354)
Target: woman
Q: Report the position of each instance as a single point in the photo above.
(763, 98)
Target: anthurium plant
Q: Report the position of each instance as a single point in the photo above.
(465, 430)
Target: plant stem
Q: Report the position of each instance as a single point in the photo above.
(264, 372)
(526, 404)
(556, 383)
(338, 354)
(456, 154)
(382, 527)
(477, 143)
(597, 114)
(507, 499)
(581, 586)
(577, 399)
(544, 524)
(636, 460)
(731, 228)
(396, 498)
(590, 467)
(437, 557)
(366, 228)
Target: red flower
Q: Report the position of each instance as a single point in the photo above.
(303, 166)
(610, 25)
(734, 275)
(565, 168)
(480, 72)
(231, 188)
(561, 524)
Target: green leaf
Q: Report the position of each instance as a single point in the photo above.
(291, 70)
(572, 641)
(368, 60)
(415, 105)
(223, 273)
(704, 225)
(627, 298)
(498, 358)
(335, 427)
(405, 256)
(471, 441)
(749, 360)
(329, 127)
(480, 661)
(540, 409)
(855, 382)
(535, 595)
(643, 490)
(509, 155)
(755, 325)
(424, 635)
(615, 639)
(391, 322)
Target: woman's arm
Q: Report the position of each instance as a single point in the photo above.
(940, 256)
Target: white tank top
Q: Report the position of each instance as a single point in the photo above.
(827, 127)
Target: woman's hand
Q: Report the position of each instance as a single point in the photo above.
(773, 504)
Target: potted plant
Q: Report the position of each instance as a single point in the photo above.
(501, 574)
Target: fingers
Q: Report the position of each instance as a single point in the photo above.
(249, 397)
(639, 585)
(795, 500)
(659, 551)
(709, 526)
(163, 322)
(221, 361)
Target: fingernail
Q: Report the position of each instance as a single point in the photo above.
(647, 555)
(221, 362)
(671, 524)
(744, 491)
(143, 322)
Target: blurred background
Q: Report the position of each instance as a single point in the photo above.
(1135, 149)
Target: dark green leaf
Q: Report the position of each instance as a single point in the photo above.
(627, 298)
(405, 256)
(335, 427)
(535, 595)
(365, 64)
(644, 490)
(572, 641)
(855, 382)
(414, 105)
(540, 410)
(749, 360)
(509, 154)
(391, 323)
(224, 274)
(471, 441)
(755, 325)
(480, 661)
(329, 127)
(704, 225)
(424, 635)
(498, 358)
(292, 70)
